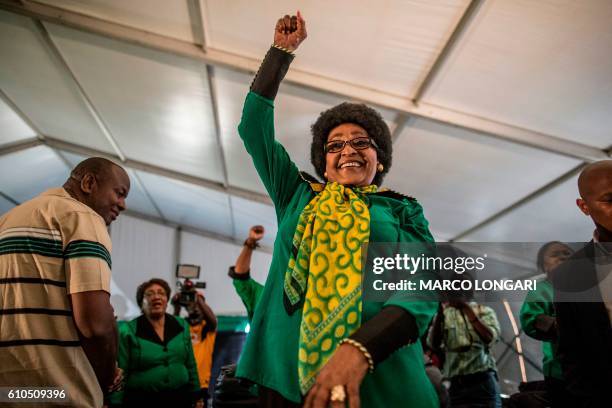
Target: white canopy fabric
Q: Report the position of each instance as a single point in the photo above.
(494, 105)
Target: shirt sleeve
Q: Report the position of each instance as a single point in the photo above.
(249, 291)
(87, 252)
(278, 173)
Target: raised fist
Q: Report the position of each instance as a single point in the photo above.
(290, 31)
(256, 233)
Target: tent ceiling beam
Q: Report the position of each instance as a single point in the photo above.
(519, 203)
(150, 168)
(460, 28)
(192, 230)
(20, 145)
(308, 80)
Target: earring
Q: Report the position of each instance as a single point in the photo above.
(380, 167)
(325, 174)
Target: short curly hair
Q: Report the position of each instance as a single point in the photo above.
(361, 115)
(144, 286)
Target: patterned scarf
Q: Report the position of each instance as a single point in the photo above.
(323, 277)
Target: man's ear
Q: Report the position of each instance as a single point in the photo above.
(88, 183)
(583, 206)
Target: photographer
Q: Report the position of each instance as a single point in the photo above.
(203, 328)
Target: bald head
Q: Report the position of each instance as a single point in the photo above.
(97, 166)
(593, 176)
(595, 187)
(100, 184)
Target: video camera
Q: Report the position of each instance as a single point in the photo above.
(187, 288)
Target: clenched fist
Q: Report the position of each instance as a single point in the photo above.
(290, 31)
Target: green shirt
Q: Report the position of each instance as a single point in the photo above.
(465, 352)
(249, 291)
(270, 355)
(150, 365)
(538, 302)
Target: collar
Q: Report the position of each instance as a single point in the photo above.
(145, 330)
(605, 247)
(59, 192)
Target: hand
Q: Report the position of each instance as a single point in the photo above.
(117, 384)
(290, 31)
(256, 233)
(346, 367)
(199, 403)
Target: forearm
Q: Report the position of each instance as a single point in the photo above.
(271, 73)
(436, 331)
(209, 315)
(243, 263)
(101, 351)
(388, 331)
(485, 334)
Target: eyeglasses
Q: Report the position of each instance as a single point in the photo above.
(150, 293)
(359, 143)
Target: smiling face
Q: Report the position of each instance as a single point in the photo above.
(106, 192)
(350, 166)
(155, 301)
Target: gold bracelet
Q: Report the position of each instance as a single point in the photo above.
(361, 348)
(283, 49)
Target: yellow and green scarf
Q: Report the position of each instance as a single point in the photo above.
(324, 273)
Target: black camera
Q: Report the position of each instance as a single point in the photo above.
(187, 288)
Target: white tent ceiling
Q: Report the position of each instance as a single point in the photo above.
(494, 105)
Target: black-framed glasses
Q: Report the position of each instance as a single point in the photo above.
(359, 143)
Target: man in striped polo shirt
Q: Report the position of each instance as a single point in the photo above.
(57, 327)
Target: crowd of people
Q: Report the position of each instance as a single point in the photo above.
(314, 341)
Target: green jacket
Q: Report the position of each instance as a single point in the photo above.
(150, 365)
(538, 302)
(270, 355)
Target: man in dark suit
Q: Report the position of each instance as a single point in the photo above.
(583, 294)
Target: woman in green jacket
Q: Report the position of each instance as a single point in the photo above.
(538, 319)
(156, 355)
(313, 341)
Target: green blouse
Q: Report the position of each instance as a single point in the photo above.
(150, 365)
(270, 355)
(538, 302)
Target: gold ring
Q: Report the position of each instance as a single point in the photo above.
(337, 394)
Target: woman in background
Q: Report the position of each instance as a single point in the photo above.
(156, 355)
(539, 322)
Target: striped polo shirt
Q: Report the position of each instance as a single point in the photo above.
(50, 247)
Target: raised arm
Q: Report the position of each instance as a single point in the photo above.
(278, 173)
(248, 289)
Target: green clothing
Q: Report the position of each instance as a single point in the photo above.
(465, 351)
(234, 323)
(540, 302)
(249, 291)
(270, 356)
(150, 365)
